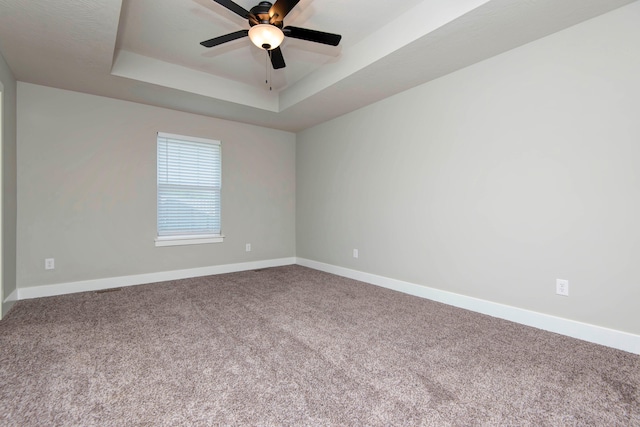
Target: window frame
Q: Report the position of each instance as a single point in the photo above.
(186, 239)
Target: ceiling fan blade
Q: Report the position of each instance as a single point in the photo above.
(236, 8)
(226, 38)
(280, 9)
(312, 35)
(277, 60)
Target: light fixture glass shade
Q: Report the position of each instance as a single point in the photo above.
(266, 36)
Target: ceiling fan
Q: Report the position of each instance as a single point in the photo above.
(267, 32)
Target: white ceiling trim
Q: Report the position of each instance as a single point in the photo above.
(414, 24)
(150, 70)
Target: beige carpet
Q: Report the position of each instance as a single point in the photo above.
(294, 346)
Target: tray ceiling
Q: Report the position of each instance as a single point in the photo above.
(148, 51)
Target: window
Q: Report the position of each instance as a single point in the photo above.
(189, 183)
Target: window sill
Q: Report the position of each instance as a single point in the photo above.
(188, 240)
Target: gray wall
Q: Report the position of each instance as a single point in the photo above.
(87, 188)
(495, 180)
(8, 183)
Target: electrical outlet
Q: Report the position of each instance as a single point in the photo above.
(49, 264)
(355, 253)
(247, 247)
(562, 287)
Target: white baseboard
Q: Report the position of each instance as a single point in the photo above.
(13, 296)
(139, 279)
(8, 302)
(584, 331)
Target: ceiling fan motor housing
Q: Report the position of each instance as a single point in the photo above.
(261, 12)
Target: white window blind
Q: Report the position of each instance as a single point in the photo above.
(189, 183)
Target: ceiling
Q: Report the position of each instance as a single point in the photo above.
(148, 51)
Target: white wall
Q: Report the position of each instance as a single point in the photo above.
(87, 189)
(493, 181)
(8, 185)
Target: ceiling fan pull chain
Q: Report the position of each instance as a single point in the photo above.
(267, 70)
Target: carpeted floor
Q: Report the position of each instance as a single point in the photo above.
(295, 346)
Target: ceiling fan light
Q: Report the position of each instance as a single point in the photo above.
(266, 36)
